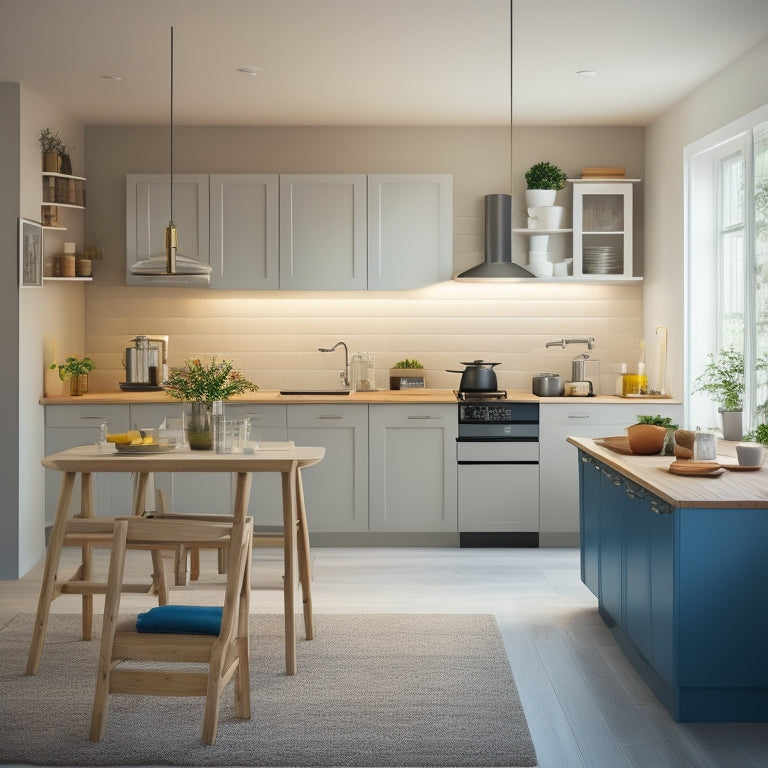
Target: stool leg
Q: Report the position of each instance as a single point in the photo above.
(86, 511)
(49, 573)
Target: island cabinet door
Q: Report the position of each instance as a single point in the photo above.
(635, 567)
(589, 511)
(661, 571)
(611, 498)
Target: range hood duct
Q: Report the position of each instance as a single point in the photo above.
(498, 262)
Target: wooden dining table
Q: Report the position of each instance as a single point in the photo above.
(90, 459)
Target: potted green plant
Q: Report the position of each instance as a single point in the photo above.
(543, 181)
(76, 370)
(759, 434)
(52, 147)
(404, 374)
(203, 385)
(723, 380)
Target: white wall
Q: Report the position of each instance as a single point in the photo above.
(734, 92)
(273, 336)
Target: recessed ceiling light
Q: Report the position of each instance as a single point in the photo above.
(111, 77)
(587, 73)
(252, 71)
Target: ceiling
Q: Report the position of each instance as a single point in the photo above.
(372, 62)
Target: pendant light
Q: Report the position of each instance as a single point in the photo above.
(498, 264)
(173, 264)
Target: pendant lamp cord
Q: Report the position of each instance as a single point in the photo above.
(171, 123)
(511, 94)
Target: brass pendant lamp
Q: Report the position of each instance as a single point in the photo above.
(172, 263)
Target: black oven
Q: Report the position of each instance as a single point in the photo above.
(497, 451)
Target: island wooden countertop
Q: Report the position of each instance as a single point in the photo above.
(728, 489)
(391, 396)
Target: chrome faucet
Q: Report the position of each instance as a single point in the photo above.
(588, 340)
(343, 375)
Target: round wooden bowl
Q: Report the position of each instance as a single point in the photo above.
(646, 439)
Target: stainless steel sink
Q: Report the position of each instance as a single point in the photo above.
(314, 391)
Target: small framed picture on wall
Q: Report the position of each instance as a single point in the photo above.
(30, 253)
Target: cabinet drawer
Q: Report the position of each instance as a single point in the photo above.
(87, 416)
(500, 451)
(261, 416)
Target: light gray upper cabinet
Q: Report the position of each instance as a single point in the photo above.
(413, 468)
(410, 232)
(323, 231)
(244, 230)
(148, 211)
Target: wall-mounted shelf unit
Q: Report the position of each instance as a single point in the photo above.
(60, 191)
(47, 279)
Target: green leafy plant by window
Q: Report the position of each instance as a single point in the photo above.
(73, 366)
(760, 435)
(723, 379)
(545, 176)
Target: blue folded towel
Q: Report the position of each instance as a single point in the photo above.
(181, 619)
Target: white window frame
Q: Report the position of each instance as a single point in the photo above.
(702, 162)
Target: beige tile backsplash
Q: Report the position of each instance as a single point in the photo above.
(273, 336)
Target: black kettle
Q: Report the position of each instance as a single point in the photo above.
(478, 376)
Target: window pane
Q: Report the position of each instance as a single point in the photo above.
(732, 209)
(761, 261)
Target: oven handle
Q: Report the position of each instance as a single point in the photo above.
(462, 463)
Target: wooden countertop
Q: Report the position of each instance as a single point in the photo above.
(728, 489)
(392, 396)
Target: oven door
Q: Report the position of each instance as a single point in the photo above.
(498, 486)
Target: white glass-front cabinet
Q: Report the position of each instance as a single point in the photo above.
(602, 228)
(413, 468)
(245, 230)
(323, 231)
(410, 230)
(148, 211)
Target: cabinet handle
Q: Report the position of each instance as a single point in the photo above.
(634, 491)
(578, 416)
(424, 418)
(330, 417)
(660, 507)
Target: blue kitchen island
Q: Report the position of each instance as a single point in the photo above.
(679, 566)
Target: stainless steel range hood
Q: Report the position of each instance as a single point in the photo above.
(498, 264)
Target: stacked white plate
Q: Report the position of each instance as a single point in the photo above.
(602, 260)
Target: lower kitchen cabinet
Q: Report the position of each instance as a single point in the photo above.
(336, 489)
(71, 425)
(559, 489)
(413, 468)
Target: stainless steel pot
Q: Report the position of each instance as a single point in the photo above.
(142, 363)
(547, 385)
(478, 376)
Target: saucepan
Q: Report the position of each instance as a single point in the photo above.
(478, 376)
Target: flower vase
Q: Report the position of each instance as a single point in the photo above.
(78, 385)
(200, 427)
(732, 425)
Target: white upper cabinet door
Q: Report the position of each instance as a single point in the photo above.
(410, 230)
(323, 231)
(245, 230)
(148, 211)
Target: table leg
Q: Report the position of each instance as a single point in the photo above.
(86, 511)
(289, 556)
(305, 568)
(50, 572)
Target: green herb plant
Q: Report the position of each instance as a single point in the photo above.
(199, 382)
(759, 435)
(73, 366)
(723, 379)
(51, 142)
(658, 420)
(545, 176)
(407, 363)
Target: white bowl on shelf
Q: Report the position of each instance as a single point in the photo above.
(538, 242)
(536, 257)
(541, 268)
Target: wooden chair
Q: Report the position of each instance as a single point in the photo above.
(225, 653)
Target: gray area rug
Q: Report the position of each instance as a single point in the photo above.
(371, 690)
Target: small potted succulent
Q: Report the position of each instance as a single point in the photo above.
(203, 385)
(406, 374)
(543, 181)
(76, 370)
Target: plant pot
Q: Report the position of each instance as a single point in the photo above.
(732, 425)
(51, 162)
(406, 378)
(78, 385)
(200, 427)
(646, 439)
(540, 197)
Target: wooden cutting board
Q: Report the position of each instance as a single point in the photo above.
(695, 468)
(618, 444)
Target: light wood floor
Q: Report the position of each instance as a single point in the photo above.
(585, 705)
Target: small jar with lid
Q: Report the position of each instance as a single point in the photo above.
(68, 260)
